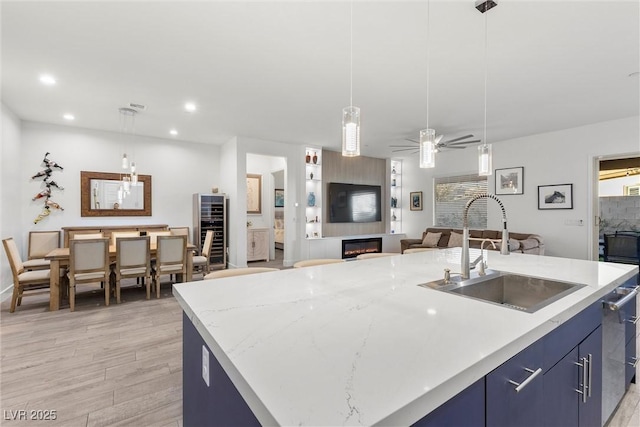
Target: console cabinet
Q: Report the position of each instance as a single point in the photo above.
(257, 244)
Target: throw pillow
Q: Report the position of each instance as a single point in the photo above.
(455, 240)
(431, 240)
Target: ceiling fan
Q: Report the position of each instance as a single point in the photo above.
(456, 143)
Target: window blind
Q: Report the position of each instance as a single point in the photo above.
(451, 195)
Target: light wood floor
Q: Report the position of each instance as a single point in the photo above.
(111, 366)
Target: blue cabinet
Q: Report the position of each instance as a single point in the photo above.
(465, 409)
(538, 385)
(590, 351)
(515, 390)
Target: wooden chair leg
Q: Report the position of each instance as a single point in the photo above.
(147, 280)
(14, 298)
(107, 295)
(72, 296)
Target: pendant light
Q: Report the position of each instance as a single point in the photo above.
(427, 136)
(351, 114)
(485, 155)
(127, 127)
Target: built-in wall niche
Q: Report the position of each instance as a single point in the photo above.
(314, 190)
(395, 215)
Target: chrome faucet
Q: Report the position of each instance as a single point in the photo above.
(504, 244)
(483, 263)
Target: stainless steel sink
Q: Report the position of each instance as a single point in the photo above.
(519, 292)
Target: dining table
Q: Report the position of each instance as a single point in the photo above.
(60, 260)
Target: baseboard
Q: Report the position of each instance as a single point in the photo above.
(6, 294)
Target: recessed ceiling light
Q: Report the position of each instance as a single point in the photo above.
(69, 117)
(173, 132)
(190, 107)
(47, 79)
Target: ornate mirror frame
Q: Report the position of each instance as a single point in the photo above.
(85, 195)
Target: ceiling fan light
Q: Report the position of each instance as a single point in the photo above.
(427, 148)
(351, 131)
(485, 161)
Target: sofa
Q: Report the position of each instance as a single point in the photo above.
(518, 242)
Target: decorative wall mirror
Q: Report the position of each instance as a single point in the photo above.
(103, 194)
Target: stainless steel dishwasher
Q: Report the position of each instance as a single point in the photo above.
(615, 317)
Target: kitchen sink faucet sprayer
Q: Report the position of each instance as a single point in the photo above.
(504, 244)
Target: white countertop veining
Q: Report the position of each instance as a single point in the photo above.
(358, 343)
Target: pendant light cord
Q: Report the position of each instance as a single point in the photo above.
(428, 28)
(351, 55)
(485, 79)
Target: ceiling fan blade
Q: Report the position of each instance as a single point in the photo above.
(438, 139)
(404, 149)
(412, 140)
(453, 146)
(403, 146)
(475, 141)
(457, 139)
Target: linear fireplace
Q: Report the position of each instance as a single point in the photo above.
(353, 247)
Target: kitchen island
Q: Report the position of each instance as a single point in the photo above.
(359, 343)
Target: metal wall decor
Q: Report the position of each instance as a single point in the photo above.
(45, 194)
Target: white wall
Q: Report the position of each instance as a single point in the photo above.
(615, 186)
(178, 169)
(562, 157)
(10, 181)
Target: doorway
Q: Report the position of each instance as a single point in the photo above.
(617, 194)
(270, 216)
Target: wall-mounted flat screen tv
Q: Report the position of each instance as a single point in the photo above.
(354, 203)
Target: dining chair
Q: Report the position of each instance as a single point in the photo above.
(375, 255)
(132, 261)
(180, 231)
(88, 263)
(201, 262)
(40, 244)
(316, 261)
(120, 234)
(153, 235)
(171, 258)
(238, 272)
(24, 281)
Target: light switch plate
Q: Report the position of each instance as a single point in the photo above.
(205, 365)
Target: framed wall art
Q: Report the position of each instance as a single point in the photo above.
(416, 200)
(510, 181)
(254, 193)
(557, 196)
(279, 198)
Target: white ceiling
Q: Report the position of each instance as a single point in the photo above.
(280, 70)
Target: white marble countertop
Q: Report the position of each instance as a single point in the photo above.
(359, 343)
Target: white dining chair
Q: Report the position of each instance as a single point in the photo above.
(88, 264)
(40, 244)
(171, 258)
(201, 262)
(133, 260)
(32, 282)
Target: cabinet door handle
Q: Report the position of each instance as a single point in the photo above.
(633, 319)
(584, 382)
(634, 362)
(590, 362)
(523, 384)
